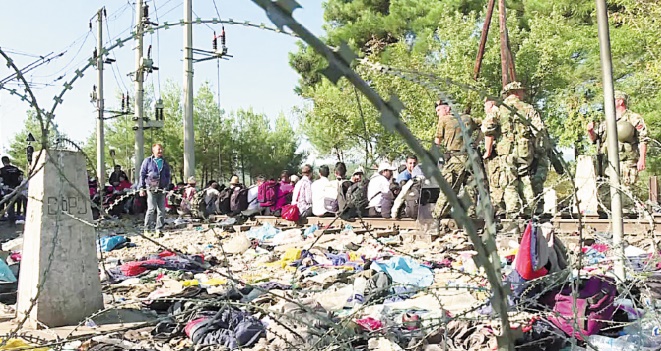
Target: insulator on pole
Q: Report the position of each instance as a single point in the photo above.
(214, 42)
(145, 12)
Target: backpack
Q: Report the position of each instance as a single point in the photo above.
(198, 208)
(224, 201)
(594, 305)
(330, 197)
(239, 199)
(412, 199)
(267, 193)
(357, 200)
(342, 200)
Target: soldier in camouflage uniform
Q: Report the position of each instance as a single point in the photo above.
(632, 147)
(514, 150)
(450, 139)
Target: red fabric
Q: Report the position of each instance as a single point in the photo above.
(192, 324)
(123, 185)
(166, 253)
(369, 323)
(290, 213)
(132, 269)
(524, 260)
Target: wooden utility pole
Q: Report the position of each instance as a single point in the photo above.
(506, 57)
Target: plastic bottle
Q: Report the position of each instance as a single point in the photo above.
(604, 343)
(358, 296)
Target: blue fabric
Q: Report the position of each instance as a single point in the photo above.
(406, 271)
(159, 163)
(406, 175)
(109, 243)
(263, 233)
(6, 275)
(150, 168)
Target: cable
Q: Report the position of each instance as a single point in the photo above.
(206, 24)
(216, 7)
(66, 66)
(115, 70)
(158, 48)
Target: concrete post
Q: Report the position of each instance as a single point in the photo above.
(139, 94)
(59, 270)
(100, 136)
(189, 128)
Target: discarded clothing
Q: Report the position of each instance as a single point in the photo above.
(173, 263)
(229, 327)
(404, 270)
(109, 243)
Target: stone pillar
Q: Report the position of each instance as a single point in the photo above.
(586, 184)
(59, 269)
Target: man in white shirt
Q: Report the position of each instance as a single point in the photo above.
(302, 196)
(323, 192)
(379, 184)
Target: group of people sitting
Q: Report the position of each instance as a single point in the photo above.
(319, 194)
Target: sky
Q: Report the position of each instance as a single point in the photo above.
(258, 76)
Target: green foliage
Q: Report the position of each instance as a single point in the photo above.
(556, 53)
(225, 143)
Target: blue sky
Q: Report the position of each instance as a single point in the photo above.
(259, 75)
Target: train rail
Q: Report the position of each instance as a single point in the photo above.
(640, 226)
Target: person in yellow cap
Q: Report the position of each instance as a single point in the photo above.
(632, 138)
(513, 149)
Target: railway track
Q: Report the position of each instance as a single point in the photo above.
(639, 226)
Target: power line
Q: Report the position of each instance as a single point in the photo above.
(216, 7)
(158, 48)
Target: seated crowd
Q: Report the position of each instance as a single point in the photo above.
(315, 193)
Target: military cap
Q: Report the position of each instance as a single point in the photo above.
(512, 86)
(621, 95)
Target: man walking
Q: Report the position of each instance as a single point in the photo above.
(11, 179)
(514, 149)
(154, 179)
(632, 135)
(448, 135)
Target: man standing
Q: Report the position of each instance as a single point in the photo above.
(379, 184)
(302, 196)
(514, 149)
(449, 137)
(114, 176)
(11, 179)
(154, 179)
(632, 138)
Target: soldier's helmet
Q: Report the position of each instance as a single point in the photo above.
(512, 86)
(625, 132)
(622, 95)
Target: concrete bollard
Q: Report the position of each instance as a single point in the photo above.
(70, 289)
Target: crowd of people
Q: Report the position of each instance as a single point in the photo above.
(516, 159)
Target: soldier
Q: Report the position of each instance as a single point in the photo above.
(514, 149)
(632, 138)
(491, 166)
(449, 137)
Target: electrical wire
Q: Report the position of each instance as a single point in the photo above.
(115, 70)
(158, 48)
(68, 64)
(216, 7)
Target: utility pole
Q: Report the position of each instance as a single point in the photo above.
(613, 168)
(100, 137)
(189, 129)
(139, 93)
